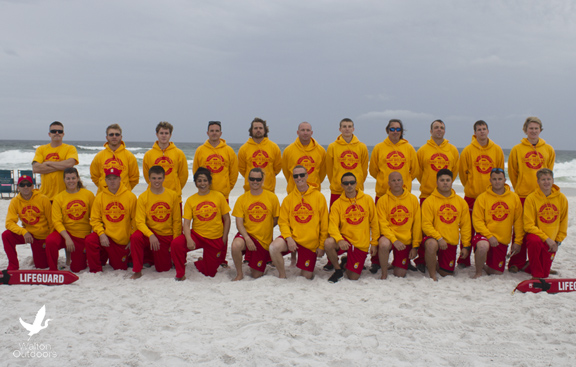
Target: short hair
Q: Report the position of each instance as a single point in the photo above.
(532, 119)
(164, 125)
(480, 123)
(203, 171)
(56, 123)
(115, 127)
(347, 174)
(444, 171)
(346, 120)
(437, 120)
(498, 170)
(401, 127)
(159, 170)
(257, 170)
(544, 171)
(73, 170)
(304, 122)
(210, 123)
(263, 122)
(299, 166)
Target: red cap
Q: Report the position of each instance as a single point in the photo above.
(25, 178)
(112, 171)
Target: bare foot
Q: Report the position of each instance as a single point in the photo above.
(238, 277)
(434, 278)
(477, 275)
(180, 279)
(384, 275)
(136, 275)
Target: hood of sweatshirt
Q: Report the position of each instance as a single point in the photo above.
(476, 144)
(220, 145)
(340, 140)
(170, 146)
(401, 142)
(120, 148)
(439, 195)
(308, 148)
(507, 191)
(540, 143)
(21, 199)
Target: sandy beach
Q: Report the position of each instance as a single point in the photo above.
(107, 319)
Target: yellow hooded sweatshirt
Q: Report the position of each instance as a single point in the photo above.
(159, 214)
(174, 163)
(222, 163)
(494, 215)
(356, 220)
(346, 157)
(304, 217)
(476, 163)
(388, 157)
(546, 216)
(121, 159)
(114, 214)
(265, 155)
(35, 215)
(53, 183)
(312, 157)
(432, 158)
(447, 217)
(400, 218)
(71, 212)
(523, 163)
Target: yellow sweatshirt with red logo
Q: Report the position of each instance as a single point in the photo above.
(356, 220)
(122, 159)
(476, 163)
(388, 157)
(222, 163)
(400, 218)
(265, 155)
(546, 216)
(494, 216)
(304, 217)
(431, 159)
(53, 183)
(205, 212)
(114, 214)
(71, 212)
(258, 213)
(35, 215)
(312, 157)
(159, 214)
(345, 157)
(523, 163)
(174, 163)
(447, 217)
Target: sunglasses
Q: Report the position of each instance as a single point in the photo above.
(210, 123)
(114, 134)
(296, 175)
(497, 170)
(55, 131)
(257, 179)
(346, 183)
(397, 129)
(25, 184)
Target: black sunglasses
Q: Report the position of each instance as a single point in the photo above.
(55, 131)
(114, 134)
(296, 175)
(257, 179)
(25, 184)
(346, 183)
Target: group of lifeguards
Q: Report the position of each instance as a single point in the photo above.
(155, 229)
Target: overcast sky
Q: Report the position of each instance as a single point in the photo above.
(90, 64)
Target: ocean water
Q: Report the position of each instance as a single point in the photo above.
(18, 154)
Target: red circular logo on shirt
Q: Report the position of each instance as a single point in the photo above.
(399, 215)
(307, 162)
(76, 209)
(354, 214)
(303, 213)
(484, 164)
(206, 211)
(257, 212)
(395, 160)
(30, 215)
(114, 212)
(160, 212)
(439, 161)
(166, 163)
(349, 160)
(260, 159)
(548, 213)
(534, 160)
(499, 211)
(448, 213)
(215, 163)
(113, 163)
(53, 157)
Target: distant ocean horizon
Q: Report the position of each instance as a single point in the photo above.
(18, 155)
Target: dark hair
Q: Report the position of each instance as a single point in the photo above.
(347, 174)
(401, 126)
(497, 170)
(203, 171)
(70, 170)
(299, 166)
(57, 123)
(257, 170)
(346, 120)
(544, 171)
(444, 171)
(210, 123)
(159, 170)
(480, 123)
(164, 125)
(263, 122)
(437, 120)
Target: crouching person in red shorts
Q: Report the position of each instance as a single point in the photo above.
(158, 222)
(208, 213)
(113, 221)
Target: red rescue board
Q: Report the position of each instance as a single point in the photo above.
(45, 277)
(547, 285)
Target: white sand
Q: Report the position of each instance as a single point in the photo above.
(108, 320)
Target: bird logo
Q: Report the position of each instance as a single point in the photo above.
(37, 325)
